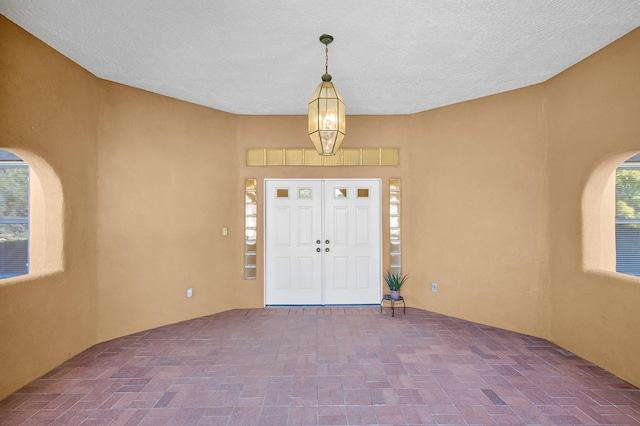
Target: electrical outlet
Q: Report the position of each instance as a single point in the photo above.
(225, 231)
(189, 292)
(434, 287)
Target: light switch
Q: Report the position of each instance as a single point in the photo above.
(225, 231)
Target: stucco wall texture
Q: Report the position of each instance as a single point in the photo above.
(492, 206)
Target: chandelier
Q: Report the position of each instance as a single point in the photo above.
(326, 111)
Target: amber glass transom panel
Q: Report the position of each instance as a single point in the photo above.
(282, 193)
(250, 228)
(395, 246)
(310, 157)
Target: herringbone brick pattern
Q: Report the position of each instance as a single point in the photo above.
(324, 366)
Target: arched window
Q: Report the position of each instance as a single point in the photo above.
(31, 216)
(14, 215)
(628, 216)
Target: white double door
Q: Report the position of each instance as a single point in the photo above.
(322, 242)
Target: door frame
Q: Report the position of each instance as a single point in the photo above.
(264, 226)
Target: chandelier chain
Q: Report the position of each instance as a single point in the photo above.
(326, 60)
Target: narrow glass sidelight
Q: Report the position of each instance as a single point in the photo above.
(395, 247)
(250, 228)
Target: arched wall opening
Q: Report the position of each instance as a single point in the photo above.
(46, 242)
(598, 215)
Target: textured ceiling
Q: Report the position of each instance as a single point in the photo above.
(264, 57)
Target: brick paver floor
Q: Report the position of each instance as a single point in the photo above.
(324, 366)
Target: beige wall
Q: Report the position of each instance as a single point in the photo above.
(491, 209)
(167, 185)
(592, 114)
(48, 112)
(477, 211)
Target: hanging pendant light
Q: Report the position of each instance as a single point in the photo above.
(326, 111)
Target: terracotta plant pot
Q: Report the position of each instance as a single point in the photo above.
(395, 294)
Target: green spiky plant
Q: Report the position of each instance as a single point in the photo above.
(394, 280)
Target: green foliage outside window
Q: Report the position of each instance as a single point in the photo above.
(14, 216)
(628, 194)
(14, 202)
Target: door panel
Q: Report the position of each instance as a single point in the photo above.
(353, 227)
(362, 226)
(363, 269)
(282, 230)
(344, 216)
(293, 272)
(283, 269)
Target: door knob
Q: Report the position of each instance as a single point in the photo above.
(327, 250)
(318, 249)
(326, 242)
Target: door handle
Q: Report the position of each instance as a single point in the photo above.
(318, 249)
(327, 250)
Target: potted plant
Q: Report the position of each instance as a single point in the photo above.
(395, 281)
